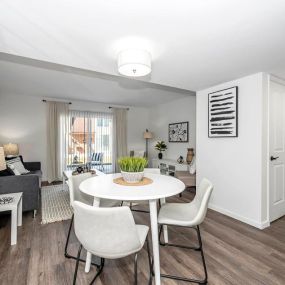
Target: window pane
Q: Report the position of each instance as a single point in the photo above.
(90, 137)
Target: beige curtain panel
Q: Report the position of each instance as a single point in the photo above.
(120, 135)
(57, 120)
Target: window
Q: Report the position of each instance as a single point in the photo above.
(102, 122)
(89, 133)
(106, 142)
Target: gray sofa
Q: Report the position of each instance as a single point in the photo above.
(29, 184)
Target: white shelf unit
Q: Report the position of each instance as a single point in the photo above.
(171, 165)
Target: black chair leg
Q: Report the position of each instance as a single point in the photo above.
(68, 236)
(66, 254)
(202, 254)
(100, 269)
(151, 272)
(77, 263)
(136, 269)
(199, 248)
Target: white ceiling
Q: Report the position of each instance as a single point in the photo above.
(194, 43)
(22, 76)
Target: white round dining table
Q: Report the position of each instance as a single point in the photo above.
(163, 186)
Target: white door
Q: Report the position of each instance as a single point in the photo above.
(277, 151)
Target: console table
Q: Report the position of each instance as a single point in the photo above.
(156, 163)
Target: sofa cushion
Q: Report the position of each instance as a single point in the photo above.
(36, 172)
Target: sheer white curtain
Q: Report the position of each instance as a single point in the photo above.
(90, 133)
(57, 119)
(120, 135)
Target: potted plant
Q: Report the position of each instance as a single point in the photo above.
(132, 168)
(160, 146)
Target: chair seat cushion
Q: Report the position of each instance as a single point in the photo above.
(180, 214)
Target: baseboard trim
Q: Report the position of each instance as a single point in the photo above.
(256, 224)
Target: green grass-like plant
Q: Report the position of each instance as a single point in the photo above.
(132, 164)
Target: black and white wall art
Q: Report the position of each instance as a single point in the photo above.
(223, 113)
(178, 132)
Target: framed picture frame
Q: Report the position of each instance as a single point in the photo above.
(178, 132)
(223, 113)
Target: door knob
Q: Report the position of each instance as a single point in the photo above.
(273, 158)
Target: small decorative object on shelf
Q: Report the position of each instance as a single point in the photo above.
(160, 146)
(190, 155)
(6, 200)
(180, 159)
(80, 169)
(132, 168)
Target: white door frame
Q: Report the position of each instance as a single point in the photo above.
(275, 79)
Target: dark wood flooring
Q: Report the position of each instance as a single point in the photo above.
(235, 254)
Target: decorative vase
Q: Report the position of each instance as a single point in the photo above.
(132, 177)
(190, 155)
(160, 155)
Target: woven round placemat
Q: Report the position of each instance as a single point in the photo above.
(121, 181)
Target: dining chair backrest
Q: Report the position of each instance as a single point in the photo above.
(106, 232)
(152, 170)
(74, 192)
(202, 197)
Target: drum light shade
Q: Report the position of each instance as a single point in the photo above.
(2, 159)
(134, 63)
(11, 149)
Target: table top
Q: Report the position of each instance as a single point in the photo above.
(16, 196)
(102, 186)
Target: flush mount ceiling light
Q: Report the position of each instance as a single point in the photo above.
(134, 62)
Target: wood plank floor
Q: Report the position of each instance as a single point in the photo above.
(235, 254)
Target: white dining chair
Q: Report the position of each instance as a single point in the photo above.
(146, 171)
(189, 215)
(109, 233)
(76, 195)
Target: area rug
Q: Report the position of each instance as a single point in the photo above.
(55, 204)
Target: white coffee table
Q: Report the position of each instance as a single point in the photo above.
(16, 213)
(68, 173)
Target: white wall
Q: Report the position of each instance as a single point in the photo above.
(234, 165)
(23, 121)
(181, 110)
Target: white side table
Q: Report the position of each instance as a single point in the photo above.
(16, 213)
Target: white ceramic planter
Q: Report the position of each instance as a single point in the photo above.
(132, 177)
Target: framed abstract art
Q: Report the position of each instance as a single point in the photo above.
(178, 132)
(223, 113)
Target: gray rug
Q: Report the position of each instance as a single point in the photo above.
(55, 204)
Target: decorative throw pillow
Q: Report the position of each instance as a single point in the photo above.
(192, 168)
(14, 169)
(17, 166)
